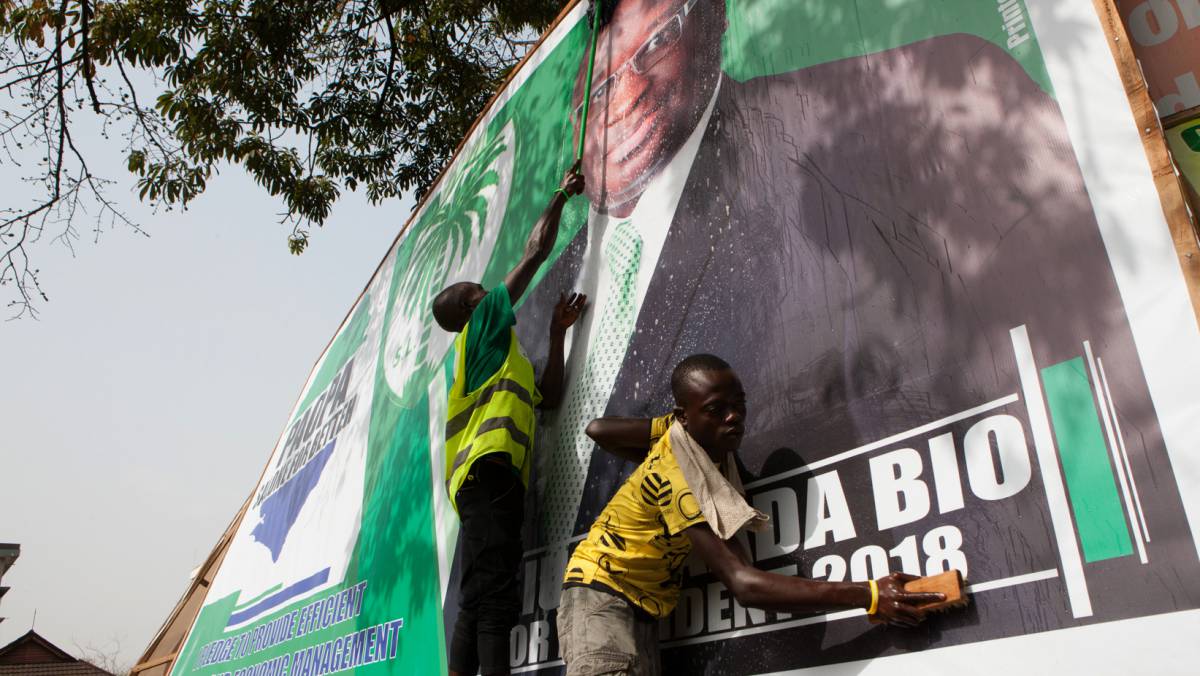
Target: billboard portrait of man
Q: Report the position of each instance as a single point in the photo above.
(642, 140)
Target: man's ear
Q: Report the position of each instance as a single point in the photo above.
(680, 416)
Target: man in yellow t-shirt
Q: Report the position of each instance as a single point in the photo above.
(626, 575)
(637, 547)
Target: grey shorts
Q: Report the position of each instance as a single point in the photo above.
(599, 634)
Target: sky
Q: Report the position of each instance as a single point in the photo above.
(138, 410)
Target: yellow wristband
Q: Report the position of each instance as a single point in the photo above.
(874, 597)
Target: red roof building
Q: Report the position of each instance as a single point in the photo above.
(33, 655)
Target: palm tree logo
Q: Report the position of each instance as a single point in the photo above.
(453, 237)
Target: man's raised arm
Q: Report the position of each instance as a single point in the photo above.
(566, 312)
(542, 237)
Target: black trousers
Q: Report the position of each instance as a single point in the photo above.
(491, 506)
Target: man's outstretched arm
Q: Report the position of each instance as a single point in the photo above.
(756, 588)
(542, 237)
(566, 312)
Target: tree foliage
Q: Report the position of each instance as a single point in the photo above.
(311, 98)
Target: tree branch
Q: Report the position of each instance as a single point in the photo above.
(387, 82)
(89, 72)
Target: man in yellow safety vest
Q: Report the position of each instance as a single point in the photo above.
(489, 438)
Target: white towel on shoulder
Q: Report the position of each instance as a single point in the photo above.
(721, 497)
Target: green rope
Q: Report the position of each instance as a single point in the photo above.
(587, 96)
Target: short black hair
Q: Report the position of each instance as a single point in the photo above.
(697, 363)
(445, 305)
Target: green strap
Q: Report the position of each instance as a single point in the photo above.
(587, 96)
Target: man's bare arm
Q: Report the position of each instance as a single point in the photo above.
(542, 237)
(756, 588)
(566, 313)
(626, 438)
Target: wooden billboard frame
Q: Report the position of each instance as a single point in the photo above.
(1171, 192)
(156, 654)
(1184, 232)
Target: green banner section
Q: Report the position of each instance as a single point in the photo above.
(1099, 518)
(766, 37)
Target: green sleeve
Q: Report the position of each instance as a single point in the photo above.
(488, 337)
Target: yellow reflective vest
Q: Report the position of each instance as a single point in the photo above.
(497, 417)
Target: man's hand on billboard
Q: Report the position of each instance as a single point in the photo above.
(900, 607)
(566, 312)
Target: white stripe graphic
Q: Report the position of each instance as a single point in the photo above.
(882, 443)
(1012, 581)
(847, 614)
(445, 519)
(1101, 397)
(1056, 496)
(1137, 500)
(538, 665)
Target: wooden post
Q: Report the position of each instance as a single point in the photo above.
(1171, 193)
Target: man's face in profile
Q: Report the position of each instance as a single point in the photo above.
(657, 63)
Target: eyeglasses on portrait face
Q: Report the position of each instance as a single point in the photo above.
(653, 50)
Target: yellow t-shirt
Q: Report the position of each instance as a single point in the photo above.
(636, 546)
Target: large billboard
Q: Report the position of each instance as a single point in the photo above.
(924, 233)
